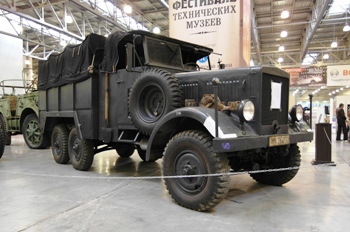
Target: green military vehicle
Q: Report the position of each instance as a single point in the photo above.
(19, 115)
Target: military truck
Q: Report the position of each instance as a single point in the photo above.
(19, 115)
(145, 92)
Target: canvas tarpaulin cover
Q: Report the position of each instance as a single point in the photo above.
(115, 48)
(72, 65)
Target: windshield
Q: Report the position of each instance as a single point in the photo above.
(163, 53)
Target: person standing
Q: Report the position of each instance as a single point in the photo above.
(341, 123)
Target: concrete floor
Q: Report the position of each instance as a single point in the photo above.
(36, 194)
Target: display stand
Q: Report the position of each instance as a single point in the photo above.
(323, 144)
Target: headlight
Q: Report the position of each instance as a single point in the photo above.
(246, 110)
(296, 113)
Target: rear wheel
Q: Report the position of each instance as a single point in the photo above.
(59, 143)
(125, 149)
(142, 154)
(32, 134)
(81, 151)
(191, 153)
(276, 160)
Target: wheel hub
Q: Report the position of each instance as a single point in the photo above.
(57, 145)
(188, 170)
(33, 132)
(190, 164)
(76, 149)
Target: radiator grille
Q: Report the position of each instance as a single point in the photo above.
(228, 90)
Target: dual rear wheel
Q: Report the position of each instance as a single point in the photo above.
(66, 145)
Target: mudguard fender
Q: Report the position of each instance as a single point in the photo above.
(170, 124)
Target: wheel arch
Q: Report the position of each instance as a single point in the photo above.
(48, 120)
(25, 113)
(178, 120)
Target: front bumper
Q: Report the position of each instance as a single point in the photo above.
(256, 142)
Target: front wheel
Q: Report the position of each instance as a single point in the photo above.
(2, 136)
(32, 134)
(191, 153)
(81, 151)
(276, 160)
(7, 134)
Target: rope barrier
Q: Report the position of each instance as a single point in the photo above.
(170, 177)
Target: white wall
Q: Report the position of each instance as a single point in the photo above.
(11, 58)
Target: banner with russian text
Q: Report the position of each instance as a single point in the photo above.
(223, 25)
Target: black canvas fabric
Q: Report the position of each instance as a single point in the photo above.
(112, 53)
(72, 65)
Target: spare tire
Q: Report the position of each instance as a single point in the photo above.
(154, 94)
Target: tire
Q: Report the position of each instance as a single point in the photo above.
(8, 138)
(154, 94)
(2, 136)
(190, 153)
(292, 159)
(125, 149)
(7, 135)
(81, 151)
(142, 154)
(59, 144)
(32, 134)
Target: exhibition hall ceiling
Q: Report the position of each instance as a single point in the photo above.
(46, 26)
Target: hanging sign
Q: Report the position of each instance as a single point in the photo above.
(223, 25)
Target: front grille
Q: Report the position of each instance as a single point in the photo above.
(268, 115)
(228, 90)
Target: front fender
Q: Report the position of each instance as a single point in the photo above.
(170, 124)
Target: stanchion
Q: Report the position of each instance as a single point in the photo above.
(323, 144)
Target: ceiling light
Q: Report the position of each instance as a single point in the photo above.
(334, 44)
(127, 9)
(330, 94)
(63, 43)
(337, 90)
(341, 88)
(280, 60)
(284, 34)
(285, 14)
(27, 62)
(156, 30)
(19, 29)
(281, 48)
(325, 56)
(69, 19)
(333, 92)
